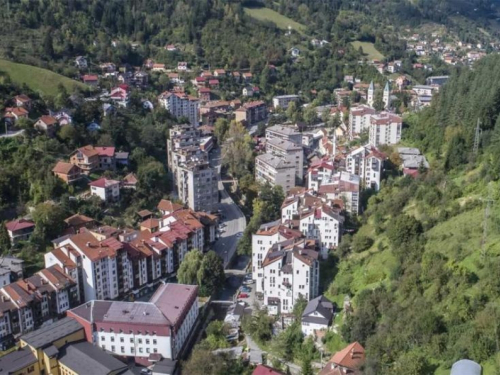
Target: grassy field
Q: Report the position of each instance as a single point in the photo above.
(38, 79)
(266, 14)
(369, 49)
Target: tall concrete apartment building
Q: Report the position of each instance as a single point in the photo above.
(181, 105)
(283, 162)
(198, 185)
(195, 181)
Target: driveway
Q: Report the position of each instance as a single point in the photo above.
(234, 222)
(11, 133)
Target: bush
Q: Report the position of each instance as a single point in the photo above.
(361, 243)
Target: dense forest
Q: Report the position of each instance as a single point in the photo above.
(427, 292)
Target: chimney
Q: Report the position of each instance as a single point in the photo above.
(352, 353)
(88, 244)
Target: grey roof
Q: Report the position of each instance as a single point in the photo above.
(12, 263)
(4, 271)
(275, 161)
(281, 129)
(51, 351)
(284, 144)
(124, 312)
(47, 335)
(408, 150)
(465, 367)
(17, 360)
(85, 358)
(121, 155)
(270, 224)
(414, 161)
(321, 305)
(164, 367)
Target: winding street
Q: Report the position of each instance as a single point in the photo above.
(234, 222)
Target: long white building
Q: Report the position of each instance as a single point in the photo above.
(286, 149)
(359, 120)
(181, 105)
(277, 171)
(143, 330)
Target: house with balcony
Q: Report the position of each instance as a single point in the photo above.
(67, 172)
(107, 190)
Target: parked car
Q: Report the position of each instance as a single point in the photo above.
(243, 295)
(246, 289)
(247, 282)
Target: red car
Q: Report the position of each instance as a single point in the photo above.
(243, 295)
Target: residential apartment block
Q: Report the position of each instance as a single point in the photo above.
(385, 128)
(284, 132)
(366, 162)
(291, 151)
(107, 263)
(282, 101)
(359, 120)
(198, 185)
(290, 271)
(251, 113)
(275, 170)
(195, 180)
(181, 105)
(28, 303)
(142, 330)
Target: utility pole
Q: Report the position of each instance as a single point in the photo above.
(477, 138)
(485, 221)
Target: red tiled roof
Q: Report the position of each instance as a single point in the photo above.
(48, 120)
(167, 205)
(22, 98)
(16, 225)
(266, 370)
(105, 151)
(103, 182)
(90, 77)
(351, 357)
(64, 168)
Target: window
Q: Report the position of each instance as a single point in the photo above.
(131, 340)
(147, 341)
(139, 341)
(103, 338)
(140, 350)
(155, 350)
(132, 349)
(154, 341)
(112, 339)
(112, 348)
(122, 349)
(147, 350)
(122, 339)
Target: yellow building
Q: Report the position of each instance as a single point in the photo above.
(60, 349)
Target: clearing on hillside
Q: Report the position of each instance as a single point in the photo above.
(369, 50)
(266, 14)
(36, 78)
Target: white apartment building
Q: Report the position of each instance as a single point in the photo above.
(284, 148)
(181, 105)
(282, 101)
(290, 271)
(385, 128)
(142, 330)
(366, 162)
(319, 173)
(284, 132)
(198, 185)
(277, 171)
(343, 186)
(267, 235)
(359, 120)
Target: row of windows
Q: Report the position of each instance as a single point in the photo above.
(122, 349)
(139, 341)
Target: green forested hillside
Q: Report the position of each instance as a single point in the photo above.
(427, 293)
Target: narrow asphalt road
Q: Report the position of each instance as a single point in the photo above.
(234, 222)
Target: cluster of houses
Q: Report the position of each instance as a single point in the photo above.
(448, 49)
(94, 264)
(90, 159)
